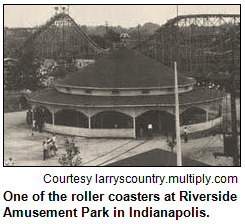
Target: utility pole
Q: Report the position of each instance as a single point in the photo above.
(177, 123)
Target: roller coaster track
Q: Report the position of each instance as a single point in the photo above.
(173, 21)
(63, 16)
(198, 38)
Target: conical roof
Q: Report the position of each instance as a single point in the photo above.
(123, 68)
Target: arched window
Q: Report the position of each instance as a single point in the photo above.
(161, 122)
(111, 119)
(192, 115)
(71, 118)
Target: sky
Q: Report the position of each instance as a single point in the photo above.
(123, 15)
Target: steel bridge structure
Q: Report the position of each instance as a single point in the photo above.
(61, 37)
(200, 43)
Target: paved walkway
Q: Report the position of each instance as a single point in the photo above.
(27, 150)
(198, 149)
(116, 153)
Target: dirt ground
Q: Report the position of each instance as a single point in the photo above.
(26, 149)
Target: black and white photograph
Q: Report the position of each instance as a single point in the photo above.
(122, 85)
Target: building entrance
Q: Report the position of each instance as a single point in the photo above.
(161, 121)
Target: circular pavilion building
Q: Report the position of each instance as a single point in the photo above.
(118, 96)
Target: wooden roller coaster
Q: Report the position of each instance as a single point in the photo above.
(199, 42)
(61, 37)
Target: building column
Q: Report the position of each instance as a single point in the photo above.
(53, 119)
(134, 125)
(89, 122)
(206, 116)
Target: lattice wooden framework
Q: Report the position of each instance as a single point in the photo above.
(61, 37)
(199, 42)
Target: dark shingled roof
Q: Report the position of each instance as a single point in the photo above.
(156, 157)
(53, 96)
(124, 69)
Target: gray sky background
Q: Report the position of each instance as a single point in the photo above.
(124, 15)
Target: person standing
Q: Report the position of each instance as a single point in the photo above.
(55, 147)
(150, 131)
(33, 126)
(29, 117)
(49, 148)
(186, 134)
(45, 150)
